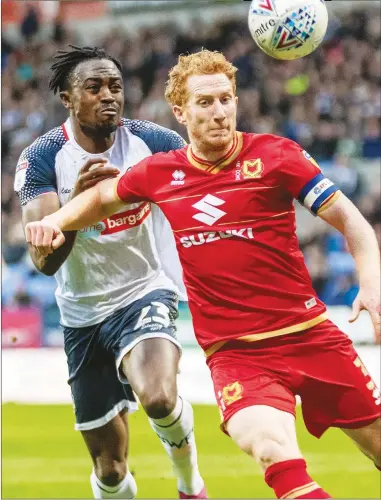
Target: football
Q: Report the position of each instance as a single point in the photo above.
(288, 29)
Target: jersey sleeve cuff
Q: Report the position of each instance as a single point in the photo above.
(25, 197)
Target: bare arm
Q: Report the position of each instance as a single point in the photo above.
(35, 210)
(362, 244)
(89, 207)
(92, 172)
(45, 238)
(359, 235)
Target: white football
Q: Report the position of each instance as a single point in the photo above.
(288, 29)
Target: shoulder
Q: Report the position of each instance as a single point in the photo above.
(157, 160)
(35, 170)
(44, 149)
(283, 151)
(157, 138)
(267, 141)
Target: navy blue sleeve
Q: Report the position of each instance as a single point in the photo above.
(158, 139)
(35, 171)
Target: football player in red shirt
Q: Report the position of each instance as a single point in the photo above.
(229, 199)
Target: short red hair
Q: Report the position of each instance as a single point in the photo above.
(204, 62)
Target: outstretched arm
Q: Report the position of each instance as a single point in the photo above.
(363, 245)
(89, 207)
(44, 205)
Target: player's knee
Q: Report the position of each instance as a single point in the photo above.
(243, 439)
(110, 471)
(271, 450)
(266, 447)
(159, 403)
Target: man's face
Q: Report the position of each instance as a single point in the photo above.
(210, 111)
(96, 95)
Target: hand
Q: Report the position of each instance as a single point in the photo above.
(94, 170)
(368, 299)
(44, 235)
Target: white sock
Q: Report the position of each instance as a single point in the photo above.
(126, 489)
(176, 434)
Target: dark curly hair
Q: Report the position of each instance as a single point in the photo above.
(67, 61)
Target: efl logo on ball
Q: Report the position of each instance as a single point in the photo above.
(288, 29)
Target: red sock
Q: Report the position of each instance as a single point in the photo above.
(289, 479)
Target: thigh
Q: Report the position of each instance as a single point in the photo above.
(109, 442)
(155, 360)
(255, 428)
(151, 317)
(335, 387)
(98, 395)
(368, 439)
(249, 377)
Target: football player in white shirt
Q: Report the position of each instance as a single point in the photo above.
(118, 281)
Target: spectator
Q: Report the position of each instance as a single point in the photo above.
(346, 177)
(30, 24)
(371, 147)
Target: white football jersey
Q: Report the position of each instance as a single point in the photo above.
(118, 260)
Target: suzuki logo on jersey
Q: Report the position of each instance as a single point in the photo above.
(252, 169)
(208, 237)
(210, 214)
(178, 178)
(118, 222)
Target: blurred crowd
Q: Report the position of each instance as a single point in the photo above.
(329, 102)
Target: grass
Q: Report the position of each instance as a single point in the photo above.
(43, 457)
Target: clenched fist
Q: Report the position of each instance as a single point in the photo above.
(44, 235)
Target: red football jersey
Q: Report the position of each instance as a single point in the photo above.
(234, 225)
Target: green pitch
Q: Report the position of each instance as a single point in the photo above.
(43, 457)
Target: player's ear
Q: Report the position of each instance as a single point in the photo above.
(66, 99)
(179, 114)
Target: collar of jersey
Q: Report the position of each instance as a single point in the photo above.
(67, 130)
(215, 167)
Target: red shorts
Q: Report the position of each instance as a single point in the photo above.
(320, 365)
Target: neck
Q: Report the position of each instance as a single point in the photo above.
(212, 155)
(92, 141)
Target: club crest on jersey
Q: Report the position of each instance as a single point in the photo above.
(178, 178)
(309, 158)
(232, 393)
(252, 169)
